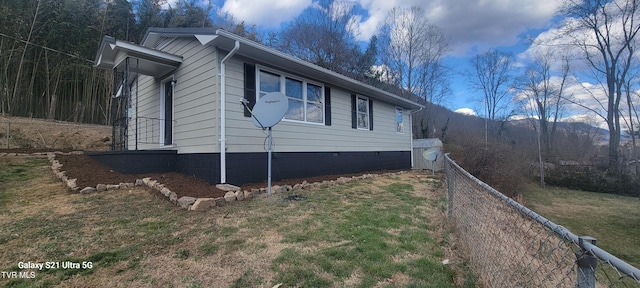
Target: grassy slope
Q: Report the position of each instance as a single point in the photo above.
(385, 232)
(613, 220)
(53, 135)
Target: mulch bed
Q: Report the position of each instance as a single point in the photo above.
(90, 173)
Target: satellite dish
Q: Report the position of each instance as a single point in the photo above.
(432, 154)
(270, 109)
(268, 112)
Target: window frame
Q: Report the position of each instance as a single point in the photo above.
(162, 114)
(401, 123)
(367, 114)
(305, 101)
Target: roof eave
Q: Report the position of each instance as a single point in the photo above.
(334, 78)
(204, 36)
(112, 53)
(154, 33)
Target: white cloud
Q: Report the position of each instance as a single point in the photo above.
(589, 119)
(383, 73)
(466, 111)
(486, 24)
(174, 3)
(265, 13)
(521, 117)
(469, 24)
(169, 3)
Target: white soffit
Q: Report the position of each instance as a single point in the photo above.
(206, 39)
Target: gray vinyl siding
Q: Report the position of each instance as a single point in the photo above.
(195, 112)
(288, 136)
(148, 112)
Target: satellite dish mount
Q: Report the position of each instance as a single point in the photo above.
(268, 112)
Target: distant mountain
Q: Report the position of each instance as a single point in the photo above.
(600, 136)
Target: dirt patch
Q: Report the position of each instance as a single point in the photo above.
(91, 173)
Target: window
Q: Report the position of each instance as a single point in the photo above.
(269, 82)
(305, 98)
(314, 109)
(294, 92)
(399, 120)
(362, 112)
(166, 113)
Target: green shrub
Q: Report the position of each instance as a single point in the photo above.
(588, 178)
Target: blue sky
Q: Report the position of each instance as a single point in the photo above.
(472, 26)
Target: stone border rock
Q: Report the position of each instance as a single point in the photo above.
(233, 194)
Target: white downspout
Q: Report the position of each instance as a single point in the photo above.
(411, 134)
(411, 137)
(223, 114)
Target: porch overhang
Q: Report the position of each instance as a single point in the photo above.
(143, 60)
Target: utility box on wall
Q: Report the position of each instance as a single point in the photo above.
(427, 154)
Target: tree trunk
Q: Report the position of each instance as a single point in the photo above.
(541, 162)
(21, 63)
(52, 107)
(76, 112)
(632, 132)
(614, 143)
(53, 104)
(28, 104)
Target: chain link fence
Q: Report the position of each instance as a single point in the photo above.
(32, 133)
(509, 245)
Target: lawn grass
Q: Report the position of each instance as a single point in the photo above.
(612, 219)
(12, 173)
(382, 232)
(364, 236)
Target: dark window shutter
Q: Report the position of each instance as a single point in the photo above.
(370, 114)
(249, 87)
(354, 116)
(327, 106)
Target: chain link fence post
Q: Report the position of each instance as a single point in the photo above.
(587, 264)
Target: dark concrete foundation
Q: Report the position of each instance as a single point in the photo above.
(138, 162)
(252, 167)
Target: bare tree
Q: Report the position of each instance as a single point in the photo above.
(149, 14)
(14, 95)
(413, 48)
(632, 121)
(230, 23)
(190, 14)
(490, 74)
(324, 35)
(606, 33)
(543, 94)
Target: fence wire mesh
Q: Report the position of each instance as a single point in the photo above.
(509, 245)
